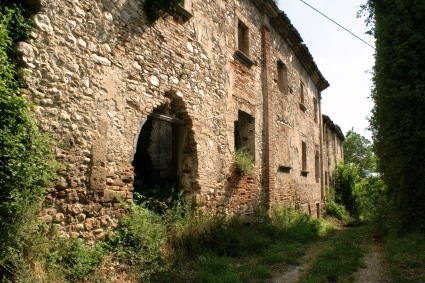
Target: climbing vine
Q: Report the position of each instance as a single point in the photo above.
(154, 7)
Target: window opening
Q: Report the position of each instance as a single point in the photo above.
(245, 133)
(316, 110)
(301, 92)
(304, 159)
(317, 167)
(243, 38)
(282, 77)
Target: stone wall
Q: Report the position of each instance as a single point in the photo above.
(97, 71)
(333, 150)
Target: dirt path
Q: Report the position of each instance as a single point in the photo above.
(293, 273)
(375, 270)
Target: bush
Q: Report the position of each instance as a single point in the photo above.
(73, 259)
(139, 243)
(337, 210)
(347, 176)
(297, 225)
(26, 163)
(244, 161)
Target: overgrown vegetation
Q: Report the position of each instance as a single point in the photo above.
(406, 255)
(399, 129)
(244, 161)
(179, 245)
(398, 123)
(359, 193)
(26, 162)
(154, 8)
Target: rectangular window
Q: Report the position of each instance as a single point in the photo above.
(302, 92)
(282, 77)
(316, 110)
(317, 167)
(243, 38)
(326, 178)
(304, 157)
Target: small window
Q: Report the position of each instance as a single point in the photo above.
(326, 178)
(302, 92)
(304, 159)
(243, 38)
(317, 167)
(316, 110)
(282, 77)
(302, 97)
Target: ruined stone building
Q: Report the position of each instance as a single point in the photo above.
(333, 152)
(132, 105)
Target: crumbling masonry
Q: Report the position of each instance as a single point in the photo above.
(132, 104)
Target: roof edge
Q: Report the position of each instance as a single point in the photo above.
(281, 23)
(333, 126)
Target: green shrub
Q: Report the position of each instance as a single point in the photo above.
(139, 243)
(219, 235)
(244, 161)
(26, 163)
(73, 259)
(296, 225)
(346, 178)
(337, 210)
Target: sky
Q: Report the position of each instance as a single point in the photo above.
(344, 61)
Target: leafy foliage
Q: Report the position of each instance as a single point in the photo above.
(358, 150)
(26, 163)
(337, 210)
(154, 7)
(244, 161)
(347, 176)
(398, 122)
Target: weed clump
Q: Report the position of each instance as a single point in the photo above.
(244, 161)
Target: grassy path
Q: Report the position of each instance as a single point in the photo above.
(349, 255)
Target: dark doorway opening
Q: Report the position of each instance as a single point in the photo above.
(162, 159)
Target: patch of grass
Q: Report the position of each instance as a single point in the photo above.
(340, 258)
(406, 256)
(215, 269)
(255, 273)
(284, 252)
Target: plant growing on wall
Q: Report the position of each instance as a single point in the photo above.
(244, 161)
(154, 7)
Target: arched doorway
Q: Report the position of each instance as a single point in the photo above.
(165, 159)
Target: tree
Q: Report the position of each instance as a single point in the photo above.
(398, 120)
(358, 150)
